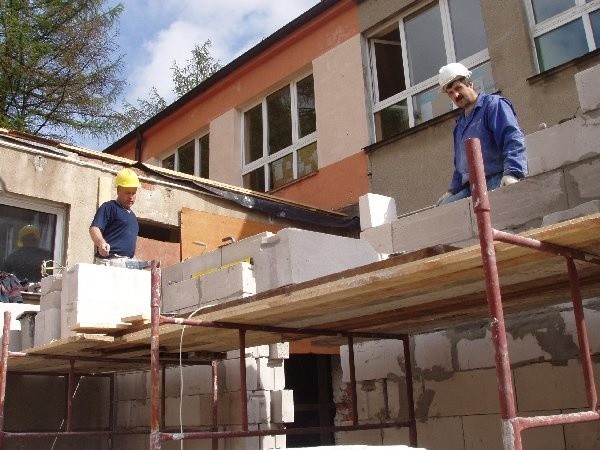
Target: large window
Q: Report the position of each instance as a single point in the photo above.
(563, 29)
(280, 137)
(30, 232)
(191, 157)
(407, 54)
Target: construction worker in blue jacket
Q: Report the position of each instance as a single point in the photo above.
(492, 119)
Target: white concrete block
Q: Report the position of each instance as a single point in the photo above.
(588, 88)
(196, 380)
(376, 210)
(126, 292)
(196, 410)
(181, 296)
(50, 300)
(280, 350)
(282, 406)
(279, 375)
(380, 238)
(422, 230)
(374, 360)
(266, 375)
(371, 401)
(133, 386)
(582, 210)
(232, 374)
(230, 283)
(433, 351)
(27, 320)
(546, 148)
(259, 407)
(47, 326)
(51, 283)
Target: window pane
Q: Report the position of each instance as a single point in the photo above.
(281, 171)
(467, 27)
(186, 158)
(204, 155)
(544, 9)
(253, 134)
(482, 78)
(26, 240)
(595, 19)
(307, 160)
(391, 121)
(561, 45)
(307, 119)
(279, 119)
(169, 162)
(429, 104)
(425, 44)
(255, 180)
(390, 69)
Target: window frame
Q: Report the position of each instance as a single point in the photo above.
(582, 9)
(197, 155)
(411, 91)
(46, 208)
(297, 142)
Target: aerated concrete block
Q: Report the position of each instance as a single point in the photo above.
(280, 350)
(282, 406)
(433, 351)
(441, 432)
(380, 238)
(376, 210)
(546, 149)
(47, 326)
(196, 380)
(527, 201)
(259, 407)
(582, 181)
(374, 360)
(51, 283)
(592, 207)
(196, 410)
(422, 229)
(123, 292)
(232, 374)
(371, 401)
(588, 88)
(50, 300)
(133, 386)
(463, 393)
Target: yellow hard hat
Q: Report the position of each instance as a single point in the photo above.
(127, 178)
(27, 230)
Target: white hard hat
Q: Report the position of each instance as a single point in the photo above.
(452, 72)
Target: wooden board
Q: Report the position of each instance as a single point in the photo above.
(392, 296)
(210, 229)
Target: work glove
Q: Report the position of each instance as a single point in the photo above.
(442, 198)
(508, 180)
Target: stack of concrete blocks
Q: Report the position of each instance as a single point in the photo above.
(564, 162)
(47, 320)
(455, 386)
(100, 296)
(257, 264)
(15, 309)
(270, 405)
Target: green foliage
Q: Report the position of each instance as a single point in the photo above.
(59, 75)
(201, 66)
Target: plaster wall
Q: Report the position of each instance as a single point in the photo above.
(225, 159)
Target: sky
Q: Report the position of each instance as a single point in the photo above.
(155, 33)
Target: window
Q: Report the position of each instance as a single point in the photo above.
(407, 54)
(191, 158)
(280, 135)
(563, 29)
(30, 233)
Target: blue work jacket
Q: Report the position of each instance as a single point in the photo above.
(493, 120)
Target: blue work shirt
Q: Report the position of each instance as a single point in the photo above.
(493, 120)
(119, 228)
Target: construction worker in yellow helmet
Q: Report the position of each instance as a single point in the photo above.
(26, 261)
(114, 228)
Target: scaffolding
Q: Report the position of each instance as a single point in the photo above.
(380, 298)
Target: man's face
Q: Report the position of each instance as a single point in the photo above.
(462, 93)
(126, 196)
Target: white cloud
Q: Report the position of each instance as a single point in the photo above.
(171, 28)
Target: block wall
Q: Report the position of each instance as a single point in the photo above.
(455, 388)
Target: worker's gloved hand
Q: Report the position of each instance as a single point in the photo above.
(443, 198)
(508, 180)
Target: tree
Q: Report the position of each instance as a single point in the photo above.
(201, 66)
(58, 71)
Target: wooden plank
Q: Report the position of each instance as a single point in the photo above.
(200, 226)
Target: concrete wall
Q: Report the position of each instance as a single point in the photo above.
(416, 167)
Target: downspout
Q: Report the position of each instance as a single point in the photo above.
(139, 139)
